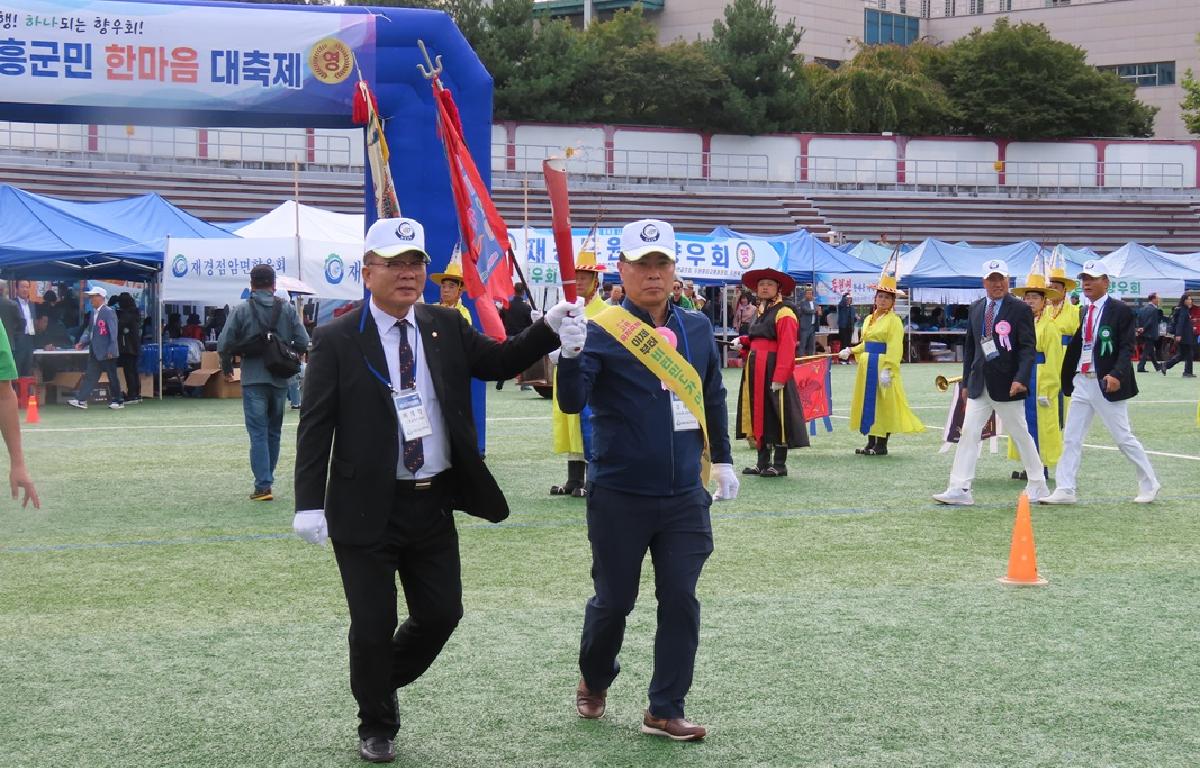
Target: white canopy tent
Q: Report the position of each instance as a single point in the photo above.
(292, 219)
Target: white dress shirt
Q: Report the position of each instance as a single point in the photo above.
(436, 447)
(27, 315)
(1089, 357)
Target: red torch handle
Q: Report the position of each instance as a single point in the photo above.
(555, 171)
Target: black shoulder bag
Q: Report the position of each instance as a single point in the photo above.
(279, 358)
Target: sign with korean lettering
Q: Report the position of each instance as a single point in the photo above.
(829, 287)
(698, 257)
(216, 271)
(142, 55)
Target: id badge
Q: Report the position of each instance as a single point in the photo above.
(989, 348)
(1086, 352)
(410, 413)
(684, 420)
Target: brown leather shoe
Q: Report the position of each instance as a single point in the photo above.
(589, 704)
(675, 728)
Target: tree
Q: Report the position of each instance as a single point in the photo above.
(885, 88)
(759, 58)
(1019, 82)
(1191, 102)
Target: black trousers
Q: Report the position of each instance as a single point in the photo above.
(1184, 353)
(678, 533)
(845, 336)
(133, 382)
(420, 546)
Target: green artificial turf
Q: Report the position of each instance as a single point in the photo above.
(151, 615)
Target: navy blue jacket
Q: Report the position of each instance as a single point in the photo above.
(636, 447)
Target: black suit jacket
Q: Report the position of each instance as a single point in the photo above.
(10, 315)
(1118, 318)
(348, 431)
(1010, 365)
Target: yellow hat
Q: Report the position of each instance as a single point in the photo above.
(887, 284)
(1060, 274)
(453, 272)
(1036, 282)
(586, 262)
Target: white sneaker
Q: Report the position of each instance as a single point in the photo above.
(116, 406)
(1037, 492)
(955, 497)
(1145, 497)
(1060, 496)
(77, 404)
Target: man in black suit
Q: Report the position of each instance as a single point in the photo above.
(1149, 318)
(1097, 375)
(808, 311)
(386, 417)
(998, 354)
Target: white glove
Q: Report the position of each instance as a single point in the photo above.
(573, 335)
(727, 482)
(1044, 401)
(735, 345)
(563, 309)
(885, 378)
(310, 526)
(554, 357)
(535, 315)
(776, 386)
(844, 354)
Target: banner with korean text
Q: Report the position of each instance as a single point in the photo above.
(216, 271)
(829, 287)
(102, 53)
(699, 257)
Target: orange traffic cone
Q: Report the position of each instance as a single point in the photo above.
(31, 412)
(1022, 558)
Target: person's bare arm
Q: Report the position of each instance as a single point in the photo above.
(10, 429)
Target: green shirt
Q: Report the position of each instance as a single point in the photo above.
(8, 366)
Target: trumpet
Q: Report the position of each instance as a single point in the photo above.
(943, 383)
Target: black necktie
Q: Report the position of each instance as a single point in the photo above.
(414, 453)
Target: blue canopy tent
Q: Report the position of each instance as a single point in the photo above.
(146, 219)
(936, 264)
(1133, 261)
(805, 255)
(40, 240)
(874, 253)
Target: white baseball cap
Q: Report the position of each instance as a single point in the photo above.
(646, 236)
(389, 238)
(1093, 268)
(97, 291)
(995, 267)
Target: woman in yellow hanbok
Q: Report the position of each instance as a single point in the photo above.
(1042, 414)
(879, 407)
(1066, 319)
(573, 432)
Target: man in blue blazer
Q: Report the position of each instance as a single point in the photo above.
(100, 339)
(999, 353)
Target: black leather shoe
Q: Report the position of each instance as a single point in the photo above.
(377, 749)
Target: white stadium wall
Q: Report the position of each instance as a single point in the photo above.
(1150, 165)
(641, 153)
(947, 161)
(536, 142)
(845, 160)
(776, 154)
(1046, 163)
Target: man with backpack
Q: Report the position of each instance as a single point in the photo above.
(268, 335)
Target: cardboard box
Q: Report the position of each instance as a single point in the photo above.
(213, 381)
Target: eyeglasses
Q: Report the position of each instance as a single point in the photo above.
(397, 265)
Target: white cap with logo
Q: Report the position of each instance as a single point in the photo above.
(97, 291)
(647, 236)
(995, 267)
(1093, 268)
(389, 238)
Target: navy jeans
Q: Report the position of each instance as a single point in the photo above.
(262, 405)
(678, 533)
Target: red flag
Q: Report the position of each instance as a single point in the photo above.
(812, 379)
(486, 247)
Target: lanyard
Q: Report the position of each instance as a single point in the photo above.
(416, 348)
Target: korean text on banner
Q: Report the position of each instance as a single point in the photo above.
(332, 270)
(216, 271)
(107, 53)
(700, 257)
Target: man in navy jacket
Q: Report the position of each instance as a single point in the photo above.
(645, 490)
(100, 339)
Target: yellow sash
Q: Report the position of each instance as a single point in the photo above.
(667, 365)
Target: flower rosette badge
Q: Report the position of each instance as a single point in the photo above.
(1106, 346)
(1003, 330)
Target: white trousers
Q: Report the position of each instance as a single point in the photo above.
(1012, 414)
(1086, 403)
